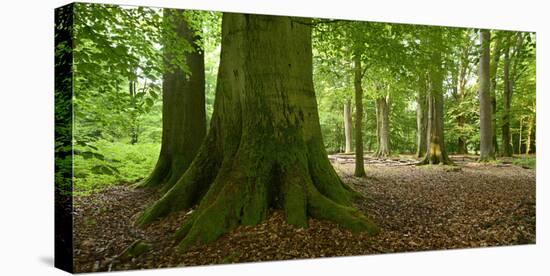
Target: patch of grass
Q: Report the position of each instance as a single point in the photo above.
(134, 162)
(90, 221)
(525, 162)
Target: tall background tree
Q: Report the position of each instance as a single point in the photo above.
(496, 51)
(348, 125)
(183, 100)
(358, 88)
(421, 116)
(518, 50)
(436, 152)
(485, 109)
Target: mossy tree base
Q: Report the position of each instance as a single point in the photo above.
(244, 190)
(436, 160)
(264, 148)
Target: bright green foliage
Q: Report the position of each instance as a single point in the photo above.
(526, 162)
(118, 65)
(523, 82)
(119, 162)
(394, 57)
(387, 60)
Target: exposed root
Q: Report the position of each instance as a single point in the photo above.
(328, 182)
(436, 159)
(350, 218)
(234, 198)
(188, 190)
(158, 176)
(381, 154)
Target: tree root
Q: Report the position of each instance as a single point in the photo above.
(240, 198)
(436, 160)
(186, 192)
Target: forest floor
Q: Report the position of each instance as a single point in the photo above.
(416, 207)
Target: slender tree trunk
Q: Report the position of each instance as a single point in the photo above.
(507, 149)
(348, 125)
(485, 113)
(495, 58)
(378, 125)
(520, 132)
(340, 137)
(183, 110)
(357, 76)
(264, 148)
(461, 141)
(369, 145)
(421, 118)
(134, 128)
(382, 107)
(529, 134)
(436, 153)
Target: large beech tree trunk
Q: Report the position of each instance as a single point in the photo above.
(383, 125)
(183, 110)
(357, 79)
(264, 148)
(436, 153)
(348, 125)
(485, 113)
(421, 118)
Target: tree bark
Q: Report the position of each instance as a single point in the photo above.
(383, 133)
(348, 125)
(264, 148)
(183, 110)
(421, 118)
(436, 153)
(495, 58)
(485, 113)
(357, 79)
